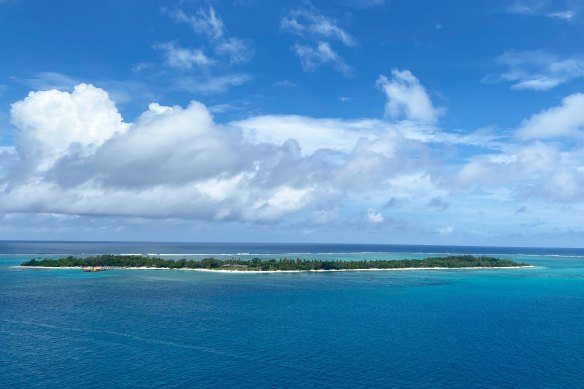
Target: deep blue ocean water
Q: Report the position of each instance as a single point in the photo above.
(156, 328)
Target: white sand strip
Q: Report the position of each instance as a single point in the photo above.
(281, 271)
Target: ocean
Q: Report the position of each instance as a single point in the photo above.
(496, 328)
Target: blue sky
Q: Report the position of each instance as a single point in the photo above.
(438, 122)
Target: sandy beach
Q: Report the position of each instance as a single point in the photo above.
(282, 271)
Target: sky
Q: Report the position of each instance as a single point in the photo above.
(349, 121)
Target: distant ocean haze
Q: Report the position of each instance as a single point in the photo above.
(277, 249)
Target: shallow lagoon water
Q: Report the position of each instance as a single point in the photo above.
(432, 328)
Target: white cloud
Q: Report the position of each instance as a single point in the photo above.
(120, 91)
(564, 120)
(375, 217)
(237, 50)
(515, 164)
(317, 31)
(311, 58)
(8, 156)
(520, 9)
(79, 157)
(50, 80)
(205, 21)
(539, 70)
(532, 172)
(309, 23)
(313, 134)
(211, 84)
(310, 133)
(183, 58)
(565, 184)
(226, 51)
(567, 15)
(51, 122)
(142, 66)
(407, 98)
(545, 8)
(222, 108)
(417, 185)
(5, 150)
(445, 230)
(76, 156)
(282, 201)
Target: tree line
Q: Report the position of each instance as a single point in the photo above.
(124, 261)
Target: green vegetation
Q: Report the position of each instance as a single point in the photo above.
(125, 261)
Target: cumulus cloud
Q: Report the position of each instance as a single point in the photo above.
(539, 70)
(564, 120)
(81, 158)
(528, 172)
(52, 122)
(516, 164)
(76, 155)
(541, 166)
(407, 98)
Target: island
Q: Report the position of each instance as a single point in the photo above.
(110, 261)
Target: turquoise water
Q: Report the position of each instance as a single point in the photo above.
(463, 328)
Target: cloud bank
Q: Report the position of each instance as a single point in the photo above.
(76, 155)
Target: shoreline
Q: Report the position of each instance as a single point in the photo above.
(281, 271)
